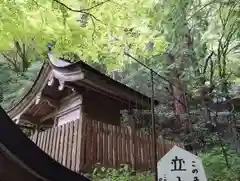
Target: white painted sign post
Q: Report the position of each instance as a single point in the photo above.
(180, 165)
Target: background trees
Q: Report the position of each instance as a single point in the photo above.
(192, 44)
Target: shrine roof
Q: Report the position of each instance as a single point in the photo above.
(74, 75)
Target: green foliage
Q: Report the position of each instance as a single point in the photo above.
(216, 168)
(122, 174)
(190, 31)
(14, 86)
(108, 32)
(213, 160)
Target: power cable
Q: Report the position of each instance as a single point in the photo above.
(164, 78)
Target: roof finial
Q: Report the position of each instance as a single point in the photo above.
(61, 85)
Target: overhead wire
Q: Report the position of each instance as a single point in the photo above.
(165, 79)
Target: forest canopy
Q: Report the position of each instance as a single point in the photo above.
(91, 29)
(194, 45)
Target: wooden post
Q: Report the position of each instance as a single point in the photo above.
(154, 149)
(80, 140)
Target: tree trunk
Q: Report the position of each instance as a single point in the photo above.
(180, 105)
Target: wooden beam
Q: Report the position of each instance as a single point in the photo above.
(26, 127)
(44, 118)
(74, 94)
(119, 93)
(75, 88)
(29, 118)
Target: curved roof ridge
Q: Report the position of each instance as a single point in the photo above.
(45, 69)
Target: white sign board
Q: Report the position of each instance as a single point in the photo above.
(180, 165)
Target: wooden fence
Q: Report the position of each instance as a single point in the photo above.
(79, 145)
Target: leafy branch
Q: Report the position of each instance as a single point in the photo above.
(84, 10)
(202, 8)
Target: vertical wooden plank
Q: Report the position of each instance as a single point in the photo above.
(162, 146)
(47, 141)
(123, 143)
(118, 147)
(37, 134)
(157, 148)
(87, 142)
(165, 146)
(36, 139)
(128, 146)
(44, 140)
(168, 146)
(110, 145)
(70, 141)
(114, 135)
(101, 148)
(78, 145)
(131, 148)
(54, 142)
(98, 143)
(90, 142)
(33, 137)
(83, 145)
(73, 165)
(58, 144)
(91, 156)
(137, 149)
(94, 142)
(145, 153)
(149, 151)
(40, 140)
(50, 142)
(141, 150)
(105, 145)
(56, 152)
(66, 140)
(60, 158)
(132, 144)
